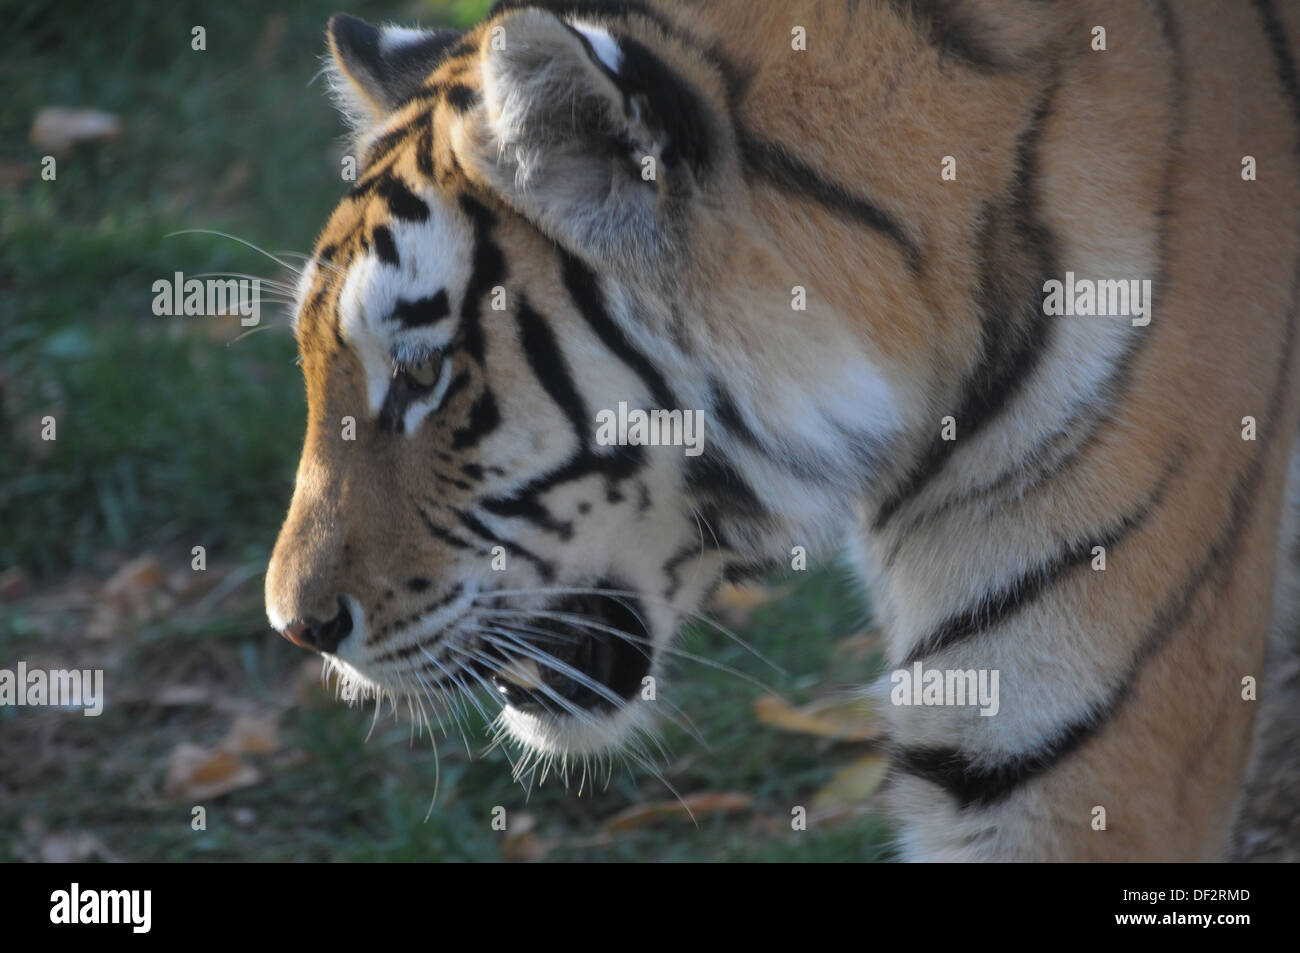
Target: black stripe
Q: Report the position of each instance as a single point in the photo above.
(484, 417)
(942, 24)
(670, 565)
(385, 247)
(461, 98)
(581, 283)
(956, 772)
(994, 608)
(452, 481)
(1285, 65)
(552, 370)
(1042, 464)
(487, 270)
(443, 535)
(1014, 330)
(673, 104)
(1038, 467)
(458, 383)
(805, 463)
(397, 625)
(424, 151)
(423, 312)
(527, 506)
(774, 162)
(544, 568)
(708, 475)
(402, 202)
(382, 148)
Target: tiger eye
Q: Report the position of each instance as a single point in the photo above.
(425, 373)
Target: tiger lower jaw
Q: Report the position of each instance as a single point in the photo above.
(548, 735)
(575, 688)
(572, 674)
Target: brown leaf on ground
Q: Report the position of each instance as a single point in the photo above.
(842, 717)
(852, 784)
(735, 603)
(860, 646)
(130, 594)
(253, 734)
(56, 129)
(699, 806)
(521, 842)
(196, 773)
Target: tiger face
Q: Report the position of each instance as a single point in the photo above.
(504, 286)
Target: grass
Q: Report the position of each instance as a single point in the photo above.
(171, 434)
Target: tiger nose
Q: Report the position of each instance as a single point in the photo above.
(309, 633)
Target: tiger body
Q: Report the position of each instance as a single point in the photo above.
(503, 269)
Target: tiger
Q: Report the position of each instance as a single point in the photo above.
(862, 244)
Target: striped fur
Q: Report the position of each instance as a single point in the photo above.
(505, 167)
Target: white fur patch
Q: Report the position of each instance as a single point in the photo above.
(395, 37)
(434, 256)
(606, 47)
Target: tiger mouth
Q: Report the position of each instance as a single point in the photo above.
(565, 665)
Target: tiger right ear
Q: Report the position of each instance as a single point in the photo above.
(587, 134)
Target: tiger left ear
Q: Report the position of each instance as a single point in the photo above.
(588, 135)
(373, 70)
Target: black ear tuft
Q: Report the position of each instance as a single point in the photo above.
(376, 69)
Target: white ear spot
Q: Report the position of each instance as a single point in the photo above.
(606, 46)
(395, 37)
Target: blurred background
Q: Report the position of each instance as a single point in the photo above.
(176, 432)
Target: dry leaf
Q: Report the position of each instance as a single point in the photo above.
(131, 593)
(734, 603)
(852, 785)
(138, 577)
(521, 842)
(196, 773)
(251, 734)
(697, 805)
(57, 129)
(860, 646)
(843, 717)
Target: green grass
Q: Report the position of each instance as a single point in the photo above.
(331, 793)
(169, 435)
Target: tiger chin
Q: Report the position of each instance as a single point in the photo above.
(828, 228)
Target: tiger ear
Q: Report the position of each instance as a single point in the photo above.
(373, 70)
(587, 134)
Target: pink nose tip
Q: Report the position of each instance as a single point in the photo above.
(295, 632)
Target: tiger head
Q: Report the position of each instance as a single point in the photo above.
(557, 390)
